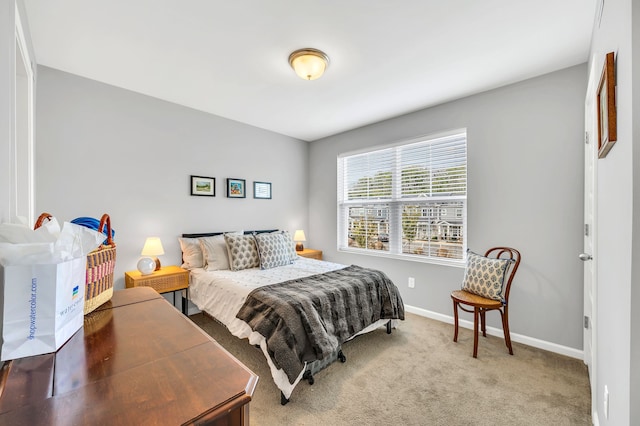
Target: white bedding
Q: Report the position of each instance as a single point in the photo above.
(222, 293)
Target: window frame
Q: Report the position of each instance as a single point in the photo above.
(394, 205)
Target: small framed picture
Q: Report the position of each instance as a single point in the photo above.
(606, 104)
(204, 186)
(262, 190)
(236, 188)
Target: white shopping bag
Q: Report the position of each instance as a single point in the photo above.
(41, 306)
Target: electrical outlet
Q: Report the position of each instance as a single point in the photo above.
(606, 402)
(412, 282)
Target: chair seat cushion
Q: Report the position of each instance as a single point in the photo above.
(485, 276)
(471, 299)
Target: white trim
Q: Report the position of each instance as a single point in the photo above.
(23, 50)
(458, 263)
(526, 340)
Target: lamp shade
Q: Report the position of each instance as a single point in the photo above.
(299, 237)
(309, 63)
(152, 247)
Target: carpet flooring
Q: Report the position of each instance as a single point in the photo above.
(419, 376)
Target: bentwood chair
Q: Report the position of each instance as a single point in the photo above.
(484, 289)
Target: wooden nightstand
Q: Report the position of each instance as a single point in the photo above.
(167, 279)
(311, 253)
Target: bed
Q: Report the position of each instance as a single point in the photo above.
(298, 311)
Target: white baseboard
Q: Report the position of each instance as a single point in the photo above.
(526, 340)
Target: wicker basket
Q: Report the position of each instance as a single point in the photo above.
(100, 266)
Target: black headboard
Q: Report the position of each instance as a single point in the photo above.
(212, 234)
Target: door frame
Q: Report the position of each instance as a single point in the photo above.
(590, 284)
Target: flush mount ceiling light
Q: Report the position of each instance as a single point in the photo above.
(309, 63)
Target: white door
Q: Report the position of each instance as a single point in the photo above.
(589, 246)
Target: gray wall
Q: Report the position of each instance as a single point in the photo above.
(525, 186)
(104, 149)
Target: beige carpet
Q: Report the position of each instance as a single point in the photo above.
(419, 376)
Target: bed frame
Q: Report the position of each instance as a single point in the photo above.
(213, 234)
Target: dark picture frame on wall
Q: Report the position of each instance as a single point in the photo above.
(606, 107)
(262, 190)
(236, 188)
(203, 186)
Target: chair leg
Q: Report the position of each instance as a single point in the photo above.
(505, 327)
(455, 321)
(483, 322)
(475, 332)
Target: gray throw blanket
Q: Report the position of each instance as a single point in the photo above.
(308, 319)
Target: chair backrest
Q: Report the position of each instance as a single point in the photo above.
(506, 253)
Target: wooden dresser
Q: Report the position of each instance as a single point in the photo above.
(136, 361)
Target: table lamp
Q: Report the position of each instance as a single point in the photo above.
(153, 248)
(299, 237)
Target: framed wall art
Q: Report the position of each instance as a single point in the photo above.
(606, 106)
(236, 188)
(262, 190)
(203, 186)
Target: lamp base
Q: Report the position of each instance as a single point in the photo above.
(299, 247)
(146, 265)
(158, 266)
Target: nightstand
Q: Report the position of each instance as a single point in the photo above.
(167, 279)
(310, 253)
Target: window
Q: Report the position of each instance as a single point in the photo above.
(407, 200)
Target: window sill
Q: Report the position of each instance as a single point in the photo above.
(457, 263)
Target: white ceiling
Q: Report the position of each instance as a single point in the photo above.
(387, 58)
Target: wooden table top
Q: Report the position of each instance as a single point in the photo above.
(136, 361)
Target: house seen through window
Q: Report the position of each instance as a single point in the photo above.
(407, 199)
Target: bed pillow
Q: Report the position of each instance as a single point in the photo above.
(485, 276)
(291, 244)
(273, 250)
(243, 252)
(191, 253)
(214, 251)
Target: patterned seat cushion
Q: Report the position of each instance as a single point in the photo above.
(273, 250)
(243, 252)
(485, 276)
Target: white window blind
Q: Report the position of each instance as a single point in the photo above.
(407, 199)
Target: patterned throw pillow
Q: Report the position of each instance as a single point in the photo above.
(273, 250)
(485, 276)
(243, 253)
(291, 245)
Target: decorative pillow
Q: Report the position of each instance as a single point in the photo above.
(291, 244)
(273, 250)
(485, 276)
(243, 252)
(214, 251)
(191, 253)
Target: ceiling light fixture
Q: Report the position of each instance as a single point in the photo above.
(309, 63)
